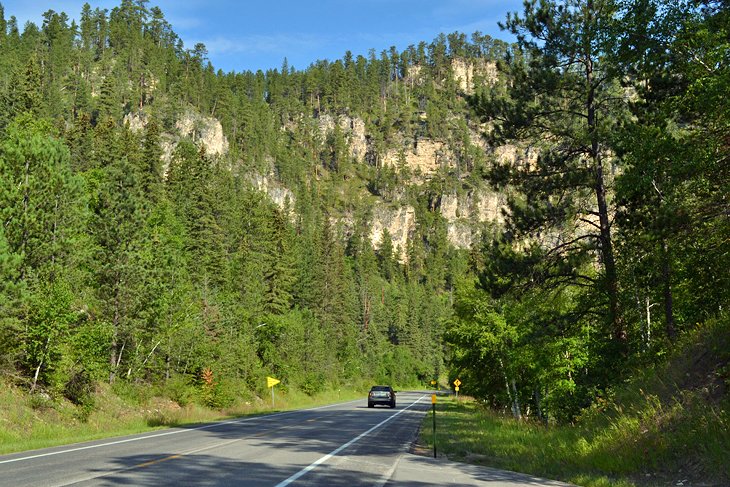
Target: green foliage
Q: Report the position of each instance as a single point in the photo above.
(11, 292)
(79, 389)
(674, 186)
(40, 198)
(115, 266)
(47, 327)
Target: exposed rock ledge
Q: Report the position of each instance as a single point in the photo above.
(206, 132)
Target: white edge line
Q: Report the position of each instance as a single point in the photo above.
(173, 432)
(323, 459)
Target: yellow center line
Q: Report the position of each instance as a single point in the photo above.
(160, 460)
(257, 435)
(180, 455)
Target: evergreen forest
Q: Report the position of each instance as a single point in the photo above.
(169, 225)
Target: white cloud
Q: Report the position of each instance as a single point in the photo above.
(258, 44)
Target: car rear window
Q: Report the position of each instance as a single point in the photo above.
(380, 388)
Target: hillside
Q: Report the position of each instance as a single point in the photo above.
(309, 225)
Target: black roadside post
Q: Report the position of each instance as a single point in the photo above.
(433, 405)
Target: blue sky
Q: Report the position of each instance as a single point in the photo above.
(251, 35)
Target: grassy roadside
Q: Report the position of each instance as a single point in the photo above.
(669, 425)
(468, 433)
(32, 422)
(623, 452)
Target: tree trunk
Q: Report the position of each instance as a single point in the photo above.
(115, 357)
(668, 298)
(606, 244)
(35, 377)
(514, 403)
(647, 335)
(516, 410)
(38, 369)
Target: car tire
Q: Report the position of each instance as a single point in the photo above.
(370, 405)
(392, 404)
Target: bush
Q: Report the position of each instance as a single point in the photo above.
(40, 401)
(313, 383)
(179, 389)
(79, 389)
(134, 393)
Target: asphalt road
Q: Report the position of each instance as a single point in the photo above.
(342, 444)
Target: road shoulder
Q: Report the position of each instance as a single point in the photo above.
(413, 469)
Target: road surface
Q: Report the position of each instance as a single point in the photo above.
(342, 444)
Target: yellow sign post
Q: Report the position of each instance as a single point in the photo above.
(433, 407)
(457, 383)
(270, 383)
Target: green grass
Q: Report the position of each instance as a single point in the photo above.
(469, 433)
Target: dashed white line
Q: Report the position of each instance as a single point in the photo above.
(323, 459)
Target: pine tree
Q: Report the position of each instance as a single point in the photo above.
(117, 221)
(565, 86)
(11, 299)
(151, 162)
(40, 197)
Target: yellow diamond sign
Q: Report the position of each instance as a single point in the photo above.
(457, 383)
(271, 382)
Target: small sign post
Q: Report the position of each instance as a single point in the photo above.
(433, 405)
(457, 383)
(270, 383)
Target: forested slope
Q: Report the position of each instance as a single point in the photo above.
(162, 219)
(541, 218)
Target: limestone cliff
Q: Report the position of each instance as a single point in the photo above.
(423, 159)
(206, 132)
(467, 72)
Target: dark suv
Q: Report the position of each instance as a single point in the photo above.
(381, 395)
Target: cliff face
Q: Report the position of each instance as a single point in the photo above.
(400, 223)
(423, 164)
(464, 211)
(423, 159)
(468, 72)
(205, 132)
(420, 162)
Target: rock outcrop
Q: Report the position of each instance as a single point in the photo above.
(206, 132)
(463, 212)
(467, 72)
(423, 160)
(400, 223)
(354, 130)
(277, 193)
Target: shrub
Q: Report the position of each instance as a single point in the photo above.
(79, 389)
